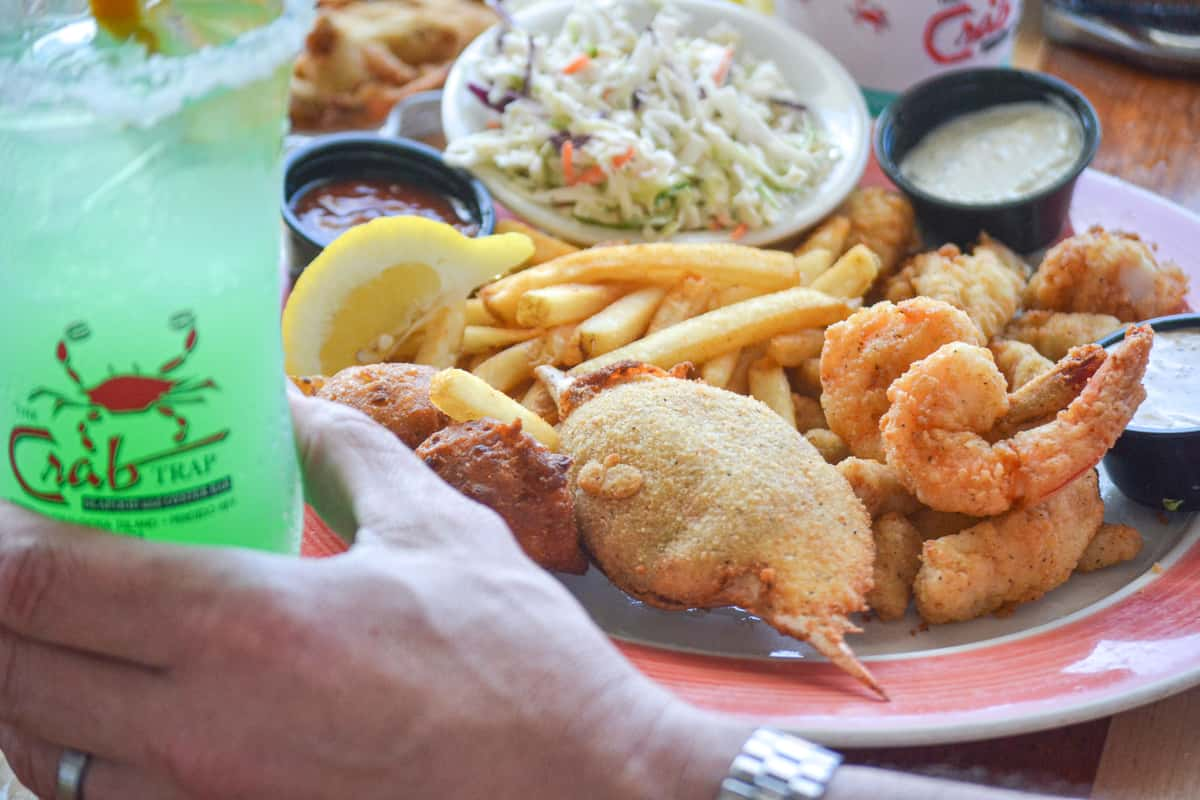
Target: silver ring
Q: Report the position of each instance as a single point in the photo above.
(72, 766)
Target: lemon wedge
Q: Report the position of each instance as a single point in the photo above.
(384, 277)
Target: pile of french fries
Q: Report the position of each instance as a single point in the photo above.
(750, 320)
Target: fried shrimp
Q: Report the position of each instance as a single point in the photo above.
(866, 352)
(1039, 399)
(878, 486)
(1009, 559)
(1053, 333)
(1019, 362)
(1108, 273)
(980, 284)
(897, 561)
(936, 432)
(882, 220)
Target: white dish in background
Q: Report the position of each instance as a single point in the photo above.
(816, 76)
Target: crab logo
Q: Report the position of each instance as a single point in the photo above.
(132, 393)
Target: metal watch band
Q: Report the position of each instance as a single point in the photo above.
(774, 765)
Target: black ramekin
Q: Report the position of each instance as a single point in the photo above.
(342, 156)
(1156, 467)
(1024, 224)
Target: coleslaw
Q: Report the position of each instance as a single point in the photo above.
(644, 127)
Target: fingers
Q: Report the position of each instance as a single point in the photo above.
(35, 763)
(121, 597)
(359, 476)
(86, 702)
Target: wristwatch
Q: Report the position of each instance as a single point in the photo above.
(774, 765)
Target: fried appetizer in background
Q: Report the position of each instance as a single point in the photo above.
(1053, 333)
(519, 478)
(884, 221)
(979, 284)
(897, 560)
(866, 352)
(1107, 273)
(1009, 559)
(689, 496)
(394, 395)
(362, 57)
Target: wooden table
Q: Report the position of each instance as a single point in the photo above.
(1151, 138)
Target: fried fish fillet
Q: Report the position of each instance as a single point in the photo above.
(1104, 272)
(689, 496)
(979, 284)
(1009, 559)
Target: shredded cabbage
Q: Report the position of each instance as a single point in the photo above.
(646, 128)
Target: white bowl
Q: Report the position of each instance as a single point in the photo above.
(816, 76)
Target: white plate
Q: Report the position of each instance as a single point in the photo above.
(813, 73)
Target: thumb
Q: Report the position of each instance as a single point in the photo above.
(370, 488)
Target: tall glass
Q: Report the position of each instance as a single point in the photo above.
(142, 387)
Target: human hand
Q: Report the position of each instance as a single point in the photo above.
(431, 660)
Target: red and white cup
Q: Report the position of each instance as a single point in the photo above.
(889, 45)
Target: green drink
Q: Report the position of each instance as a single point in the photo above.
(139, 283)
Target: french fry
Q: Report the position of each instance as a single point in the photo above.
(702, 338)
(851, 275)
(482, 338)
(806, 377)
(471, 363)
(568, 302)
(683, 301)
(512, 365)
(769, 385)
(443, 337)
(539, 401)
(733, 294)
(828, 444)
(477, 313)
(620, 323)
(809, 413)
(718, 371)
(545, 247)
(811, 265)
(661, 264)
(464, 397)
(830, 235)
(560, 346)
(739, 380)
(792, 349)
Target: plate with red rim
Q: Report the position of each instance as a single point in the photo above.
(1101, 643)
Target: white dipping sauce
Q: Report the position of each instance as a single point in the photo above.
(1172, 382)
(997, 154)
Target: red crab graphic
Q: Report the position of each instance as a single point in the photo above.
(133, 393)
(870, 14)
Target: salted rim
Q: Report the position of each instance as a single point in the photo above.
(142, 91)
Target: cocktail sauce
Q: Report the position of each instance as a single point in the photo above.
(327, 210)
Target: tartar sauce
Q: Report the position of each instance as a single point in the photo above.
(1172, 382)
(997, 154)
